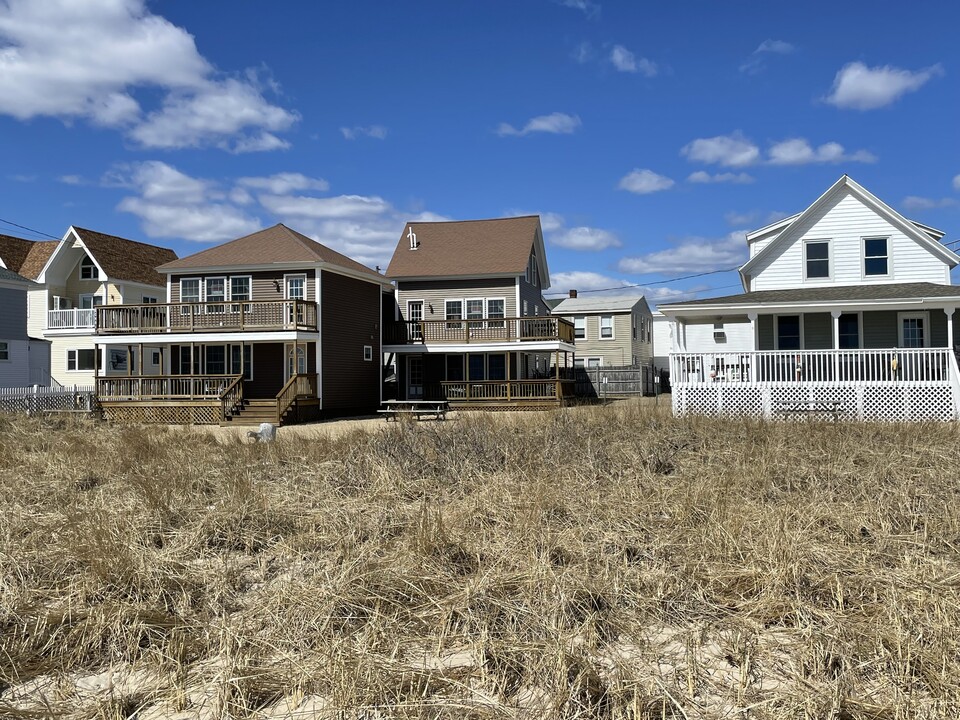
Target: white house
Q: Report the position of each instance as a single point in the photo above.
(847, 304)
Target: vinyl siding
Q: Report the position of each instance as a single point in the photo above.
(817, 331)
(15, 372)
(622, 349)
(350, 318)
(765, 338)
(436, 292)
(262, 287)
(37, 312)
(58, 360)
(737, 328)
(845, 222)
(13, 318)
(662, 341)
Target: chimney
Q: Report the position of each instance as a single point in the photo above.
(573, 293)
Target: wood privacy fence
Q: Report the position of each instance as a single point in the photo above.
(80, 398)
(615, 381)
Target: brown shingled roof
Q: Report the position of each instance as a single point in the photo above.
(26, 257)
(123, 259)
(470, 247)
(277, 244)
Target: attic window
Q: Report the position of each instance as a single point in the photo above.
(412, 237)
(88, 271)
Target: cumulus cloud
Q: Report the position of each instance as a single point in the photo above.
(703, 177)
(583, 280)
(732, 150)
(556, 123)
(86, 60)
(581, 237)
(72, 179)
(914, 202)
(583, 53)
(644, 182)
(283, 183)
(171, 204)
(374, 131)
(690, 255)
(625, 61)
(798, 151)
(755, 63)
(588, 8)
(858, 87)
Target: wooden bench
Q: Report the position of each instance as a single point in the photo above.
(811, 407)
(395, 409)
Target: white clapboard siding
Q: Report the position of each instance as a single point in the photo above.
(845, 222)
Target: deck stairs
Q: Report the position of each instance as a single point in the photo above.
(253, 412)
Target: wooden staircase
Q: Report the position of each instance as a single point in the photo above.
(254, 412)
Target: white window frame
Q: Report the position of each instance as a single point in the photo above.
(92, 267)
(575, 328)
(813, 241)
(496, 322)
(613, 325)
(368, 353)
(922, 315)
(206, 294)
(863, 256)
(286, 285)
(235, 307)
(199, 281)
(415, 333)
(4, 351)
(156, 358)
(453, 324)
(97, 361)
(93, 300)
(474, 322)
(776, 331)
(597, 361)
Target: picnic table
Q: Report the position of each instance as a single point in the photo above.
(395, 409)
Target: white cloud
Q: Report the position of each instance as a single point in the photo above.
(797, 151)
(549, 222)
(583, 280)
(755, 64)
(284, 183)
(956, 182)
(913, 202)
(752, 218)
(701, 176)
(691, 255)
(588, 8)
(625, 61)
(859, 87)
(585, 238)
(72, 180)
(729, 150)
(374, 131)
(342, 206)
(557, 123)
(86, 60)
(643, 182)
(171, 204)
(583, 53)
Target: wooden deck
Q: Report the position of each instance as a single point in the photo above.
(484, 330)
(529, 394)
(206, 317)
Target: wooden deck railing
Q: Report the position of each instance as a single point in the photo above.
(231, 399)
(206, 317)
(223, 388)
(488, 330)
(848, 367)
(504, 390)
(302, 385)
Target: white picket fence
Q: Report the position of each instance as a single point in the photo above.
(37, 398)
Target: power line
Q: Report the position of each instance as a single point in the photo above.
(29, 229)
(657, 282)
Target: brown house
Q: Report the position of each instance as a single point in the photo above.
(470, 322)
(272, 327)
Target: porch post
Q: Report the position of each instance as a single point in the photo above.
(949, 313)
(756, 346)
(191, 368)
(140, 360)
(129, 360)
(508, 355)
(835, 314)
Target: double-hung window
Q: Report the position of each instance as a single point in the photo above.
(817, 259)
(240, 291)
(495, 313)
(579, 327)
(876, 260)
(4, 352)
(215, 290)
(189, 293)
(848, 331)
(606, 327)
(454, 312)
(475, 312)
(788, 332)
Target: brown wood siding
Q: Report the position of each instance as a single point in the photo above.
(261, 283)
(267, 371)
(435, 292)
(350, 319)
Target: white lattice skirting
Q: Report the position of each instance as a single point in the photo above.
(881, 401)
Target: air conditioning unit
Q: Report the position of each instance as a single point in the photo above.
(719, 334)
(61, 303)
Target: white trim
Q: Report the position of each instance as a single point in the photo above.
(98, 362)
(524, 346)
(286, 288)
(830, 266)
(584, 318)
(776, 330)
(924, 315)
(94, 270)
(613, 327)
(368, 350)
(319, 363)
(517, 283)
(294, 266)
(215, 337)
(863, 257)
(200, 287)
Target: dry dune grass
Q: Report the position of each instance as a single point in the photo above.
(597, 563)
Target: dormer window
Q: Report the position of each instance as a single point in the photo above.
(88, 271)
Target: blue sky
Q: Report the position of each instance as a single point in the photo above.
(648, 136)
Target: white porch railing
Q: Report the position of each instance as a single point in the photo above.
(71, 319)
(847, 367)
(901, 384)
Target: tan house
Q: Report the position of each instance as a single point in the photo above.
(84, 270)
(470, 322)
(272, 327)
(609, 331)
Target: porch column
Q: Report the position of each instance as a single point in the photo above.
(835, 314)
(191, 381)
(949, 313)
(140, 360)
(756, 346)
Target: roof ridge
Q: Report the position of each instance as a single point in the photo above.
(307, 242)
(116, 237)
(473, 220)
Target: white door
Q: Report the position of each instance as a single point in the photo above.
(415, 316)
(295, 288)
(914, 330)
(296, 360)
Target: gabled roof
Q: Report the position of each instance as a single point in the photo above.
(908, 228)
(274, 245)
(26, 257)
(571, 306)
(820, 295)
(9, 276)
(469, 248)
(119, 259)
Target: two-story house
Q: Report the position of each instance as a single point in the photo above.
(272, 326)
(471, 325)
(847, 304)
(609, 331)
(23, 361)
(84, 270)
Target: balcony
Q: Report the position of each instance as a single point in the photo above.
(496, 330)
(72, 319)
(207, 317)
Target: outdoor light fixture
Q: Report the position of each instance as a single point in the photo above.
(276, 285)
(430, 305)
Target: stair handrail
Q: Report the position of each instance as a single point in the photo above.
(292, 390)
(232, 397)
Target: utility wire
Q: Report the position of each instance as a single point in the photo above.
(24, 227)
(656, 282)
